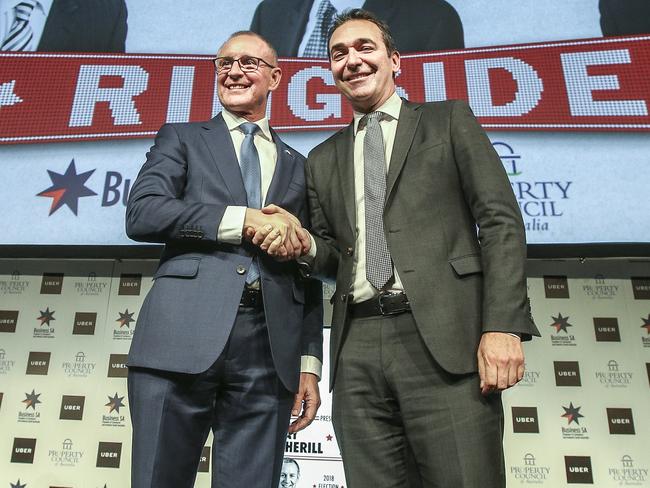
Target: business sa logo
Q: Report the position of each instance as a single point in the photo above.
(67, 188)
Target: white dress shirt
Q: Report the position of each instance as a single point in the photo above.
(232, 223)
(36, 20)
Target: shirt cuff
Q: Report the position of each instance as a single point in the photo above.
(311, 364)
(311, 255)
(231, 226)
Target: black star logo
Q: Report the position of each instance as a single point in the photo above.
(646, 324)
(125, 319)
(46, 316)
(31, 399)
(560, 323)
(572, 414)
(114, 403)
(18, 484)
(67, 188)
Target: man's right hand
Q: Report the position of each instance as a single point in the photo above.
(276, 231)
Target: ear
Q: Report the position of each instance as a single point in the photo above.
(395, 61)
(276, 76)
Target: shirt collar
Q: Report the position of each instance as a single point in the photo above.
(390, 107)
(234, 121)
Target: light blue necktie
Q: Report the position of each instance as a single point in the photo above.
(249, 163)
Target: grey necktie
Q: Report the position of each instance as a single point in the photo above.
(379, 267)
(251, 173)
(20, 33)
(317, 44)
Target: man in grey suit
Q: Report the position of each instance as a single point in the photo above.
(429, 313)
(228, 339)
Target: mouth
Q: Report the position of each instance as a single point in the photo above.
(236, 87)
(358, 77)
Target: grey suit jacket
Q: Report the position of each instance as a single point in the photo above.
(85, 25)
(189, 178)
(416, 25)
(445, 179)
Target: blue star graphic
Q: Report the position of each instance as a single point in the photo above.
(67, 188)
(18, 484)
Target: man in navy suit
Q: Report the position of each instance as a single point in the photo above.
(228, 339)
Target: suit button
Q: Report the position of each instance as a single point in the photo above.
(349, 251)
(241, 270)
(343, 297)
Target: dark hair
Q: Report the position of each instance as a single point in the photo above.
(252, 34)
(361, 14)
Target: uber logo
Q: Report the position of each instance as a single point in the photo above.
(620, 421)
(641, 287)
(129, 284)
(117, 366)
(52, 283)
(23, 450)
(556, 287)
(524, 420)
(38, 363)
(204, 464)
(72, 407)
(567, 373)
(8, 320)
(84, 323)
(108, 454)
(578, 469)
(606, 329)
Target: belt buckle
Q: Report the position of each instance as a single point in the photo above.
(395, 311)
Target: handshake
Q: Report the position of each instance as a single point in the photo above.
(277, 232)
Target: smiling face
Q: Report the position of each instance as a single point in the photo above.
(363, 69)
(245, 94)
(290, 475)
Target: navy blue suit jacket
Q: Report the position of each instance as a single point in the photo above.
(179, 197)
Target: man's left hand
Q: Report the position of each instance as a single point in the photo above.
(306, 402)
(500, 361)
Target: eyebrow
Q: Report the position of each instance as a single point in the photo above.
(362, 40)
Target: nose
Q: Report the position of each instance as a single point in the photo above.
(235, 72)
(353, 58)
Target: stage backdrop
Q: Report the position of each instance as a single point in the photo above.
(580, 415)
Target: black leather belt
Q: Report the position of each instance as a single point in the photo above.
(251, 298)
(386, 303)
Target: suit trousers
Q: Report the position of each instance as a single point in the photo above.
(402, 421)
(240, 397)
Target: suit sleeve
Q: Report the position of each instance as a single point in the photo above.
(326, 262)
(500, 226)
(157, 210)
(312, 333)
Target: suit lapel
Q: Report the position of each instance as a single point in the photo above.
(345, 162)
(408, 122)
(219, 142)
(283, 172)
(384, 9)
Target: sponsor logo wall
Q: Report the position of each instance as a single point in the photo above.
(579, 416)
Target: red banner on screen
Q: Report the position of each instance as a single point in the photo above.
(586, 85)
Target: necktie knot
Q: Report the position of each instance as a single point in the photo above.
(371, 119)
(24, 10)
(249, 128)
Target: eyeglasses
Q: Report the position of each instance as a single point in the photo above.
(246, 63)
